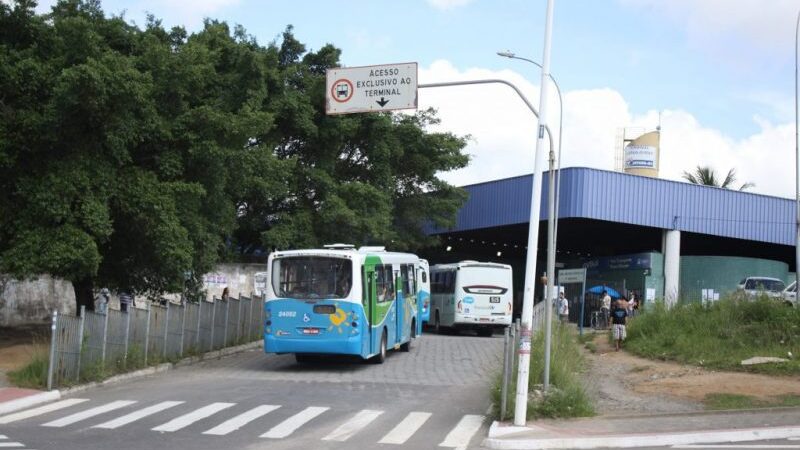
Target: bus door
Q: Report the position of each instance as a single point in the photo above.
(369, 306)
(398, 307)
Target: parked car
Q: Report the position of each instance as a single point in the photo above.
(790, 294)
(755, 286)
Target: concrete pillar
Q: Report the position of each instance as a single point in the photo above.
(672, 266)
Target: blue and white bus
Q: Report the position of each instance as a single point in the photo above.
(339, 300)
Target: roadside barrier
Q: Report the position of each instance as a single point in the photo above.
(115, 341)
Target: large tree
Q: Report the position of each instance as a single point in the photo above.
(704, 175)
(137, 158)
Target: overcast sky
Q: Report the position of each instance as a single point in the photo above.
(719, 72)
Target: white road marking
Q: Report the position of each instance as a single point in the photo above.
(289, 425)
(724, 446)
(405, 429)
(460, 436)
(91, 412)
(241, 420)
(11, 445)
(41, 410)
(353, 426)
(188, 419)
(136, 415)
(3, 436)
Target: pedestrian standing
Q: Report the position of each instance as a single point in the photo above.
(225, 294)
(619, 315)
(563, 308)
(632, 304)
(605, 308)
(102, 300)
(125, 300)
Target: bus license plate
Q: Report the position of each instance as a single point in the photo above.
(494, 299)
(310, 330)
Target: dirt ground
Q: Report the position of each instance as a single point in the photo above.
(622, 383)
(18, 344)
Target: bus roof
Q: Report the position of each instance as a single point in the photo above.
(461, 264)
(347, 252)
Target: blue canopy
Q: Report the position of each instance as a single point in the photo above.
(599, 290)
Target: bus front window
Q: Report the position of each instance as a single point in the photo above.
(312, 277)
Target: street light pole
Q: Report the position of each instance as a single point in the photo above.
(521, 409)
(552, 217)
(797, 154)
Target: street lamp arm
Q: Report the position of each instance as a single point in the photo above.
(493, 81)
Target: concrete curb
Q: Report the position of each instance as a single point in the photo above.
(500, 438)
(26, 402)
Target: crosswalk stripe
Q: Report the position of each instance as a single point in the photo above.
(463, 431)
(3, 436)
(405, 429)
(353, 426)
(11, 444)
(28, 413)
(91, 412)
(188, 419)
(289, 425)
(241, 420)
(136, 415)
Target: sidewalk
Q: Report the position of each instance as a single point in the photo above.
(644, 431)
(13, 399)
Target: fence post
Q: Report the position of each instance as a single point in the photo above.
(213, 322)
(105, 338)
(199, 319)
(52, 365)
(506, 370)
(183, 324)
(225, 332)
(147, 335)
(239, 320)
(127, 335)
(166, 332)
(80, 340)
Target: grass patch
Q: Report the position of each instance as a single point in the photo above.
(591, 346)
(566, 397)
(639, 369)
(736, 401)
(33, 375)
(720, 335)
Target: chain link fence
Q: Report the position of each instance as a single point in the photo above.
(94, 344)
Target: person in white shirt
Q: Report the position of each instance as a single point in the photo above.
(605, 308)
(563, 308)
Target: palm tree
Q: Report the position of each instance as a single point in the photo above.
(706, 176)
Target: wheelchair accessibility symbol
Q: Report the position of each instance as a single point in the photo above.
(342, 90)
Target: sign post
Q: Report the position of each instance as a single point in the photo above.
(385, 87)
(575, 276)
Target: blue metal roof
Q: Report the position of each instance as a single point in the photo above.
(637, 200)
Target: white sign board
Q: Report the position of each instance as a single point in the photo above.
(640, 157)
(371, 88)
(571, 276)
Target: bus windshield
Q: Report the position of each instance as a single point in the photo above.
(311, 277)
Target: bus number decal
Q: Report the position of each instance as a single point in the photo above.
(287, 313)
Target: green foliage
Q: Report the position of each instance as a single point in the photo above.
(567, 397)
(720, 335)
(136, 158)
(33, 375)
(736, 401)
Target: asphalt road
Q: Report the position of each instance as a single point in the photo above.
(434, 397)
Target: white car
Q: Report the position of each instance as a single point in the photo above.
(755, 286)
(790, 294)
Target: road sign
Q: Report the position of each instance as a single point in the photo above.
(571, 276)
(371, 88)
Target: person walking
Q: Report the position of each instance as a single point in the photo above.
(632, 304)
(563, 308)
(619, 315)
(225, 294)
(125, 300)
(102, 300)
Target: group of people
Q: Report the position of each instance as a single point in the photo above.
(619, 312)
(126, 301)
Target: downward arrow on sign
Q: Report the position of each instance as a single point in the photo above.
(382, 102)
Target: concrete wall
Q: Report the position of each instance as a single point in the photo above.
(723, 273)
(33, 301)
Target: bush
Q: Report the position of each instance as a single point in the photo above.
(32, 375)
(720, 335)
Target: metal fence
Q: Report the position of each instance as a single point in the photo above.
(94, 344)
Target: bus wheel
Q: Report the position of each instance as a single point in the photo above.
(381, 356)
(485, 332)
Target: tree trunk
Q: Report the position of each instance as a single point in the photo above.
(84, 294)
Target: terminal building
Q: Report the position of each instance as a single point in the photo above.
(632, 231)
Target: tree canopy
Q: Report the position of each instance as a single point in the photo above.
(706, 176)
(136, 158)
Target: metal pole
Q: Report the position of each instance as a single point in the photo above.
(199, 320)
(147, 335)
(797, 151)
(183, 331)
(213, 321)
(521, 407)
(166, 332)
(105, 338)
(127, 335)
(583, 298)
(239, 319)
(551, 270)
(504, 388)
(225, 330)
(52, 365)
(80, 339)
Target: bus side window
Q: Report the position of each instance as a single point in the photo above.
(411, 285)
(424, 277)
